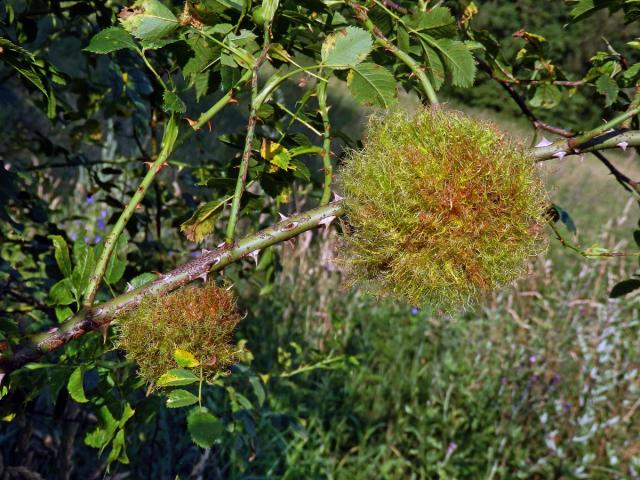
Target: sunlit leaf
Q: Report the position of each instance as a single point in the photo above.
(346, 48)
(148, 20)
(177, 377)
(75, 386)
(372, 85)
(109, 40)
(180, 398)
(61, 253)
(185, 359)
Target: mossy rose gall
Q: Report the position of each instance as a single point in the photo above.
(200, 320)
(441, 208)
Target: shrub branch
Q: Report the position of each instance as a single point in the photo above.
(93, 318)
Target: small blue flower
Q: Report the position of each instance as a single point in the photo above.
(532, 359)
(101, 224)
(103, 214)
(567, 406)
(73, 236)
(89, 199)
(97, 239)
(86, 239)
(415, 311)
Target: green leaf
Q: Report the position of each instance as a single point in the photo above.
(371, 84)
(258, 389)
(203, 220)
(118, 451)
(434, 67)
(148, 20)
(586, 8)
(438, 22)
(185, 359)
(180, 398)
(204, 427)
(346, 48)
(61, 294)
(177, 377)
(624, 287)
(104, 432)
(84, 263)
(269, 10)
(173, 103)
(277, 155)
(565, 218)
(546, 96)
(75, 386)
(458, 60)
(61, 253)
(142, 279)
(109, 40)
(608, 87)
(62, 313)
(116, 265)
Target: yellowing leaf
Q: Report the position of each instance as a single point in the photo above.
(185, 359)
(203, 220)
(277, 155)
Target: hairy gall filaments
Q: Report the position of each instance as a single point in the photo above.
(441, 208)
(200, 320)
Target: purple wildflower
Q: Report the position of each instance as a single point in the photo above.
(73, 236)
(103, 214)
(89, 199)
(415, 311)
(451, 448)
(101, 224)
(532, 359)
(97, 239)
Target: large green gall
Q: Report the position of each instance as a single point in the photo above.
(441, 208)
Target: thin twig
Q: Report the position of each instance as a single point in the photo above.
(321, 89)
(248, 146)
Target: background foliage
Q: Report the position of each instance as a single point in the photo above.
(538, 382)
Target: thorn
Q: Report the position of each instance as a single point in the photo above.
(129, 287)
(1, 374)
(543, 143)
(148, 164)
(203, 276)
(204, 251)
(209, 125)
(336, 197)
(282, 217)
(560, 154)
(161, 166)
(104, 329)
(327, 221)
(222, 244)
(192, 123)
(254, 255)
(623, 145)
(291, 242)
(232, 100)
